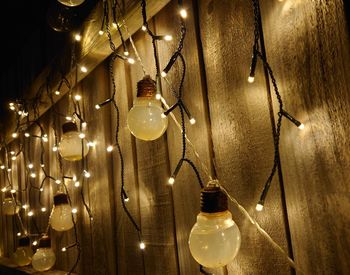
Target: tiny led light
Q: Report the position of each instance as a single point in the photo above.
(91, 144)
(41, 189)
(45, 139)
(20, 113)
(110, 148)
(77, 37)
(74, 210)
(126, 53)
(30, 165)
(183, 13)
(259, 207)
(19, 234)
(14, 158)
(163, 74)
(77, 97)
(58, 181)
(87, 174)
(3, 189)
(42, 165)
(12, 152)
(158, 96)
(84, 124)
(33, 175)
(43, 209)
(114, 25)
(57, 92)
(82, 135)
(76, 184)
(192, 120)
(34, 243)
(126, 199)
(30, 213)
(83, 69)
(64, 249)
(168, 37)
(2, 167)
(301, 126)
(12, 108)
(14, 135)
(143, 28)
(11, 104)
(171, 180)
(13, 191)
(251, 79)
(100, 32)
(163, 115)
(131, 60)
(74, 178)
(142, 245)
(97, 106)
(55, 148)
(26, 134)
(9, 170)
(25, 206)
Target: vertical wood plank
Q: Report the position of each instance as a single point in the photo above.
(241, 131)
(308, 47)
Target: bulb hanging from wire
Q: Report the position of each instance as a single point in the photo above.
(61, 218)
(44, 258)
(73, 144)
(23, 254)
(145, 119)
(215, 238)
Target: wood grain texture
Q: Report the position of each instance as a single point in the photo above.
(241, 130)
(308, 47)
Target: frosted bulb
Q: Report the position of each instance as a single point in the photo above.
(70, 146)
(44, 258)
(215, 238)
(71, 3)
(9, 206)
(23, 254)
(61, 218)
(144, 118)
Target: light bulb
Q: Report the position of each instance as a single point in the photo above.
(13, 158)
(183, 13)
(83, 69)
(61, 218)
(3, 189)
(41, 189)
(110, 148)
(57, 181)
(12, 153)
(144, 118)
(301, 126)
(171, 180)
(251, 79)
(33, 175)
(13, 191)
(14, 135)
(34, 243)
(259, 207)
(168, 37)
(100, 32)
(23, 254)
(74, 210)
(70, 147)
(2, 167)
(71, 3)
(54, 149)
(97, 106)
(76, 184)
(77, 97)
(19, 234)
(57, 92)
(131, 60)
(30, 165)
(9, 205)
(84, 124)
(163, 74)
(30, 213)
(43, 209)
(215, 238)
(193, 120)
(44, 258)
(142, 245)
(143, 28)
(64, 249)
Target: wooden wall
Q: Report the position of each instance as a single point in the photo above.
(306, 211)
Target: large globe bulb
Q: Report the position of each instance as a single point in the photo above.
(44, 258)
(9, 205)
(145, 119)
(70, 147)
(61, 218)
(71, 3)
(23, 254)
(215, 238)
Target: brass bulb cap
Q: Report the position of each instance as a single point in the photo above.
(69, 127)
(146, 87)
(213, 200)
(60, 199)
(45, 242)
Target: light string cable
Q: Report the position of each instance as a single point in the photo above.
(276, 129)
(123, 194)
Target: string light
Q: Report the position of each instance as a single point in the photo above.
(77, 97)
(77, 37)
(57, 181)
(144, 28)
(14, 135)
(35, 243)
(74, 210)
(4, 189)
(33, 175)
(142, 245)
(30, 213)
(26, 134)
(110, 148)
(87, 174)
(19, 234)
(259, 207)
(13, 191)
(84, 124)
(83, 69)
(131, 60)
(82, 135)
(183, 13)
(13, 158)
(55, 148)
(25, 206)
(43, 209)
(9, 169)
(42, 165)
(30, 165)
(57, 92)
(64, 249)
(100, 32)
(12, 152)
(41, 189)
(2, 167)
(98, 106)
(76, 184)
(91, 144)
(297, 123)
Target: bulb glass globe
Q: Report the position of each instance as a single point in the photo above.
(44, 258)
(70, 147)
(215, 239)
(9, 206)
(71, 3)
(61, 218)
(23, 254)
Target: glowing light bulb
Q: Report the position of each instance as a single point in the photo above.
(110, 148)
(143, 28)
(33, 175)
(301, 126)
(100, 32)
(126, 199)
(13, 158)
(57, 92)
(163, 74)
(131, 60)
(25, 206)
(215, 238)
(64, 249)
(13, 191)
(115, 25)
(71, 3)
(97, 106)
(9, 169)
(83, 69)
(82, 135)
(34, 243)
(41, 189)
(43, 209)
(76, 184)
(30, 165)
(251, 79)
(91, 143)
(42, 165)
(77, 97)
(183, 13)
(84, 124)
(142, 245)
(9, 205)
(3, 189)
(77, 37)
(30, 213)
(44, 258)
(168, 37)
(45, 139)
(87, 174)
(23, 254)
(70, 147)
(12, 108)
(74, 210)
(12, 152)
(61, 218)
(193, 120)
(144, 118)
(158, 96)
(14, 135)
(58, 181)
(171, 180)
(11, 104)
(2, 167)
(19, 234)
(126, 53)
(259, 207)
(55, 148)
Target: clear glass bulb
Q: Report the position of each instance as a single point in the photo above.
(215, 239)
(71, 3)
(144, 119)
(61, 218)
(22, 256)
(43, 259)
(70, 146)
(9, 206)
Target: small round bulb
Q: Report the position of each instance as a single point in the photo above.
(168, 37)
(13, 191)
(301, 126)
(83, 69)
(110, 148)
(57, 181)
(77, 37)
(30, 213)
(14, 135)
(171, 180)
(183, 13)
(192, 120)
(131, 60)
(97, 106)
(57, 92)
(43, 209)
(143, 28)
(259, 207)
(163, 74)
(77, 97)
(55, 148)
(30, 165)
(100, 32)
(251, 79)
(142, 245)
(33, 175)
(76, 184)
(74, 210)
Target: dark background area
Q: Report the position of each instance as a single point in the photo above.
(30, 43)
